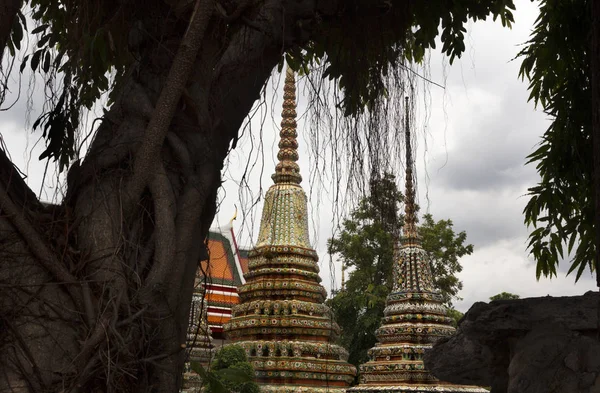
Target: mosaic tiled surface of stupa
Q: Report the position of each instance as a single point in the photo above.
(414, 317)
(281, 321)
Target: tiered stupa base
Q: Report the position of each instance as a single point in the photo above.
(289, 342)
(412, 323)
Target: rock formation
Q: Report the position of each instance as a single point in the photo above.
(543, 345)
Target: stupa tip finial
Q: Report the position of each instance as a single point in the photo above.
(410, 218)
(287, 170)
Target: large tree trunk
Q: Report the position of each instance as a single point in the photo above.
(96, 291)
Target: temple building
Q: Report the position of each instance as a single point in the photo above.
(282, 322)
(414, 316)
(221, 276)
(215, 293)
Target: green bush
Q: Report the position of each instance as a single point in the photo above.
(232, 372)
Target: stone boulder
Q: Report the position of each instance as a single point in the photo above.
(531, 345)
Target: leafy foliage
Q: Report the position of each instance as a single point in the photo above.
(79, 45)
(232, 372)
(505, 296)
(366, 244)
(455, 315)
(556, 61)
(445, 247)
(405, 30)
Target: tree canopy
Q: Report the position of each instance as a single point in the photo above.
(365, 246)
(556, 62)
(504, 296)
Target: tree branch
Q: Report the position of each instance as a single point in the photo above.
(168, 100)
(164, 213)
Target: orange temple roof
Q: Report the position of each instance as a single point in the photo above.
(221, 275)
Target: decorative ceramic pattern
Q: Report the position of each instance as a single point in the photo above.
(260, 260)
(399, 377)
(398, 388)
(281, 321)
(411, 307)
(283, 270)
(270, 251)
(304, 368)
(415, 270)
(284, 218)
(406, 351)
(301, 389)
(281, 307)
(414, 317)
(294, 349)
(401, 296)
(279, 286)
(281, 333)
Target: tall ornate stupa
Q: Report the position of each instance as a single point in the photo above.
(282, 323)
(414, 316)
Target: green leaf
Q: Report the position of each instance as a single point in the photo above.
(35, 59)
(23, 64)
(39, 29)
(17, 33)
(47, 62)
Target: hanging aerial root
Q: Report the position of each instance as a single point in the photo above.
(164, 213)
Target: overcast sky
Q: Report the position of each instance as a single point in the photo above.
(479, 130)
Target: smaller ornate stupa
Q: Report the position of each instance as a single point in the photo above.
(199, 344)
(414, 317)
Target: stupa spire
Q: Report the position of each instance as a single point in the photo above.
(287, 170)
(410, 214)
(413, 262)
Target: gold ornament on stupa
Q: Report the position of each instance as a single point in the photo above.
(282, 322)
(414, 316)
